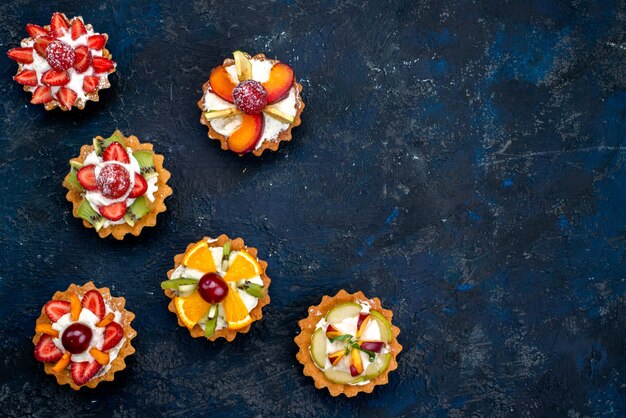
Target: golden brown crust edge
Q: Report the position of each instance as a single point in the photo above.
(270, 145)
(307, 327)
(256, 313)
(119, 231)
(117, 303)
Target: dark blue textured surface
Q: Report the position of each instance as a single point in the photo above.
(463, 161)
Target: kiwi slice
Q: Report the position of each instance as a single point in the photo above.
(252, 289)
(135, 211)
(86, 212)
(145, 159)
(100, 144)
(72, 180)
(211, 322)
(174, 283)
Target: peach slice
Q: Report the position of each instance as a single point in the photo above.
(245, 138)
(75, 306)
(332, 332)
(63, 363)
(221, 83)
(46, 328)
(279, 82)
(106, 320)
(336, 356)
(364, 319)
(356, 363)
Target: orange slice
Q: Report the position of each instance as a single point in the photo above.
(235, 311)
(244, 266)
(200, 258)
(191, 308)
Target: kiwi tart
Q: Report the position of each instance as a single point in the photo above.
(117, 185)
(348, 344)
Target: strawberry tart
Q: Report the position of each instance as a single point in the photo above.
(63, 64)
(117, 185)
(250, 104)
(83, 336)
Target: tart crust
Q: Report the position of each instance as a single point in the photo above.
(256, 313)
(149, 219)
(267, 144)
(65, 377)
(303, 340)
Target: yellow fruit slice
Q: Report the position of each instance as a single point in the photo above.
(235, 312)
(244, 266)
(191, 308)
(200, 258)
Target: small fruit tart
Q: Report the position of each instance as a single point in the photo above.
(64, 64)
(117, 185)
(348, 344)
(83, 336)
(218, 288)
(250, 104)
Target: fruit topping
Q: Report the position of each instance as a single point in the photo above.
(101, 144)
(384, 327)
(90, 84)
(139, 188)
(113, 212)
(243, 65)
(75, 307)
(376, 368)
(78, 28)
(102, 65)
(245, 138)
(250, 96)
(279, 83)
(41, 44)
(86, 176)
(235, 311)
(113, 334)
(110, 317)
(244, 266)
(191, 309)
(35, 31)
(55, 309)
(26, 77)
(332, 332)
(46, 351)
(318, 347)
(278, 115)
(55, 78)
(86, 212)
(224, 113)
(46, 328)
(60, 55)
(253, 289)
(76, 338)
(356, 363)
(339, 376)
(136, 211)
(212, 288)
(94, 301)
(42, 94)
(99, 356)
(211, 322)
(59, 24)
(343, 311)
(221, 83)
(113, 181)
(362, 322)
(373, 346)
(200, 257)
(22, 55)
(63, 363)
(335, 357)
(83, 372)
(145, 159)
(96, 41)
(175, 283)
(116, 152)
(82, 63)
(66, 97)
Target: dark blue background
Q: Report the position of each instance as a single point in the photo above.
(463, 161)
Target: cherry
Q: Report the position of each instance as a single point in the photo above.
(250, 96)
(60, 55)
(113, 181)
(76, 338)
(212, 288)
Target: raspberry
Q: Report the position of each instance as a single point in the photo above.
(250, 96)
(113, 181)
(60, 55)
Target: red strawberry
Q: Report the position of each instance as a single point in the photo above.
(94, 302)
(78, 28)
(46, 351)
(86, 176)
(113, 334)
(116, 152)
(23, 55)
(35, 31)
(90, 83)
(102, 65)
(59, 24)
(27, 78)
(55, 78)
(55, 309)
(114, 211)
(43, 94)
(140, 186)
(66, 97)
(96, 41)
(41, 44)
(85, 371)
(83, 58)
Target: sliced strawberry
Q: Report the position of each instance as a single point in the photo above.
(46, 351)
(59, 24)
(116, 152)
(55, 309)
(23, 55)
(41, 44)
(43, 94)
(26, 77)
(86, 176)
(113, 334)
(55, 78)
(114, 211)
(35, 31)
(95, 303)
(96, 41)
(90, 84)
(83, 58)
(102, 65)
(140, 186)
(78, 28)
(66, 97)
(83, 372)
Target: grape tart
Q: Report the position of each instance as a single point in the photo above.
(348, 344)
(63, 64)
(117, 185)
(217, 288)
(83, 336)
(251, 104)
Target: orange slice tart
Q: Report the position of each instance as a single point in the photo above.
(218, 288)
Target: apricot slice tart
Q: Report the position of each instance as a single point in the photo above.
(217, 288)
(251, 104)
(348, 344)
